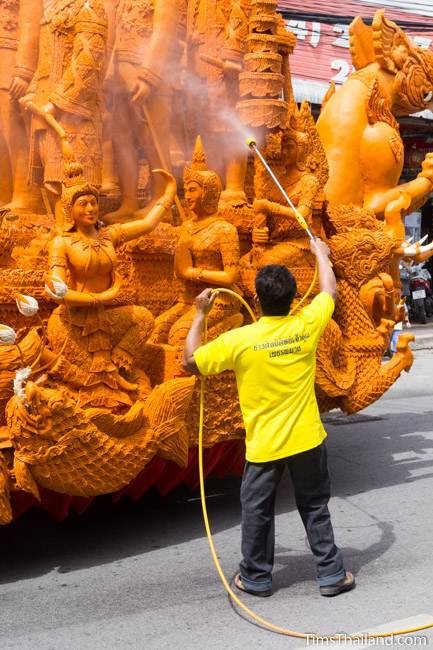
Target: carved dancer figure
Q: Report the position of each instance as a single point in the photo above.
(68, 85)
(76, 435)
(19, 31)
(365, 151)
(216, 43)
(298, 158)
(103, 339)
(207, 254)
(138, 77)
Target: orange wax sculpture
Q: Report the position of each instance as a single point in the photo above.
(137, 194)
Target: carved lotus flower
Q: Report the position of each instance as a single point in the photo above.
(20, 381)
(55, 288)
(8, 335)
(27, 305)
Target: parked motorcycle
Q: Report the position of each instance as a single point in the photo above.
(420, 296)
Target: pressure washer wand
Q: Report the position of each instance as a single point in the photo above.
(299, 218)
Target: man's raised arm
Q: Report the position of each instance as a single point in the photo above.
(327, 279)
(203, 305)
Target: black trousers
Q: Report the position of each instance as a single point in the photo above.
(311, 483)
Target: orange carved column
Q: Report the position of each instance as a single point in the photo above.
(19, 33)
(138, 78)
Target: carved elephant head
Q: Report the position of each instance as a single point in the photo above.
(386, 44)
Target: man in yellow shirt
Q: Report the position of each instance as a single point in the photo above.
(274, 361)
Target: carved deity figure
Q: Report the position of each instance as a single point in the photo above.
(102, 340)
(216, 43)
(207, 254)
(138, 79)
(19, 31)
(359, 129)
(68, 86)
(297, 157)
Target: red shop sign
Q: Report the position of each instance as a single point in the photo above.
(322, 50)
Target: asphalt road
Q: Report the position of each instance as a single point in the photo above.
(139, 575)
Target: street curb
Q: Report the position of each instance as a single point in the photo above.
(422, 342)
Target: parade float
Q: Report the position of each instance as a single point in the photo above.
(127, 187)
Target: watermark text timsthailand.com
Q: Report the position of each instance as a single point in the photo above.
(364, 639)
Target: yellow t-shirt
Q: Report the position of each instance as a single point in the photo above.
(274, 361)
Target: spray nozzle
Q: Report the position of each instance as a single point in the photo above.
(250, 141)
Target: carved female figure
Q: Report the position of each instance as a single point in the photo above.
(298, 158)
(303, 170)
(102, 339)
(207, 254)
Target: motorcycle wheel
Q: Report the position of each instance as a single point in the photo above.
(410, 309)
(420, 311)
(429, 307)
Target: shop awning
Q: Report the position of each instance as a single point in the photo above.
(314, 91)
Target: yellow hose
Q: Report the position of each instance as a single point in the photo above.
(255, 617)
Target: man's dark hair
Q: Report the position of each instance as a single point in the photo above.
(275, 288)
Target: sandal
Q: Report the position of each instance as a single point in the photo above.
(345, 584)
(254, 592)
